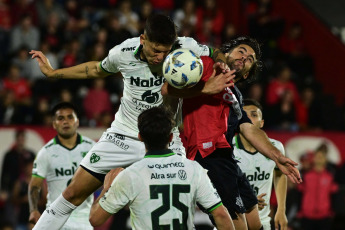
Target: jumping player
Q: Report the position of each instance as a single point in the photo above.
(139, 60)
(206, 119)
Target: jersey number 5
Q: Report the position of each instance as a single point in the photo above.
(165, 191)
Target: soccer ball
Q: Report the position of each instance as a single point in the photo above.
(182, 68)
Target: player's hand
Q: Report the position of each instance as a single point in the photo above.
(280, 220)
(221, 67)
(34, 216)
(217, 83)
(43, 62)
(108, 180)
(287, 166)
(261, 201)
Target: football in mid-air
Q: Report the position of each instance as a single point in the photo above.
(182, 68)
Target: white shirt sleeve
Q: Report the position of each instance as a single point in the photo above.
(41, 164)
(206, 195)
(118, 195)
(110, 64)
(190, 43)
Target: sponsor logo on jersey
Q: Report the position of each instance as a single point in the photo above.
(94, 158)
(147, 82)
(117, 139)
(258, 175)
(66, 172)
(128, 49)
(182, 174)
(170, 165)
(207, 145)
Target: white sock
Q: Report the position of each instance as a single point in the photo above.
(56, 215)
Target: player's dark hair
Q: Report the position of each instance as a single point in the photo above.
(247, 102)
(160, 29)
(63, 105)
(155, 127)
(257, 66)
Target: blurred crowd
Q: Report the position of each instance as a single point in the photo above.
(70, 32)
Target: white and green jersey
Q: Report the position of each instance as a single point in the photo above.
(258, 170)
(162, 190)
(57, 164)
(142, 82)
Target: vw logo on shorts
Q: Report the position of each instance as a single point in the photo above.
(182, 174)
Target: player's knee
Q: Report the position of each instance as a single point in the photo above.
(73, 196)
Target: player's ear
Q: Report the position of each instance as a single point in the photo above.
(142, 39)
(171, 137)
(262, 123)
(140, 138)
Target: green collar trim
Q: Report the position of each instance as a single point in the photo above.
(79, 141)
(239, 145)
(159, 153)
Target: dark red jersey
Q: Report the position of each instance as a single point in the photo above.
(205, 118)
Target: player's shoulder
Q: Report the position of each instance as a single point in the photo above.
(87, 140)
(129, 45)
(50, 144)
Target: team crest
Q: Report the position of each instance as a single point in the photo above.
(94, 158)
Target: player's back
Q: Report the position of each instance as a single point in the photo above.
(168, 188)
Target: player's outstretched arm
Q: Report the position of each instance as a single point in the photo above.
(215, 84)
(84, 70)
(280, 186)
(260, 141)
(35, 186)
(97, 214)
(222, 218)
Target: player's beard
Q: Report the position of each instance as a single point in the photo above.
(240, 70)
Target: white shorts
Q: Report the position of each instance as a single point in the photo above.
(266, 225)
(117, 149)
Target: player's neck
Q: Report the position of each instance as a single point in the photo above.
(68, 142)
(246, 144)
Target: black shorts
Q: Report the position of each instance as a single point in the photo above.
(231, 183)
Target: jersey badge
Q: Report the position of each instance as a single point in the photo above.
(94, 158)
(182, 174)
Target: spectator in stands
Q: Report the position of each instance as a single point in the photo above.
(24, 34)
(10, 111)
(116, 33)
(146, 10)
(14, 161)
(283, 94)
(317, 188)
(185, 17)
(19, 196)
(41, 114)
(5, 15)
(52, 32)
(97, 102)
(293, 46)
(229, 33)
(21, 8)
(211, 12)
(128, 18)
(19, 85)
(45, 8)
(21, 60)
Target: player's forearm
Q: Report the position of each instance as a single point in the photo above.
(218, 56)
(260, 141)
(280, 186)
(82, 71)
(34, 196)
(222, 219)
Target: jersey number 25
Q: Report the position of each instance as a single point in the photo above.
(165, 191)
